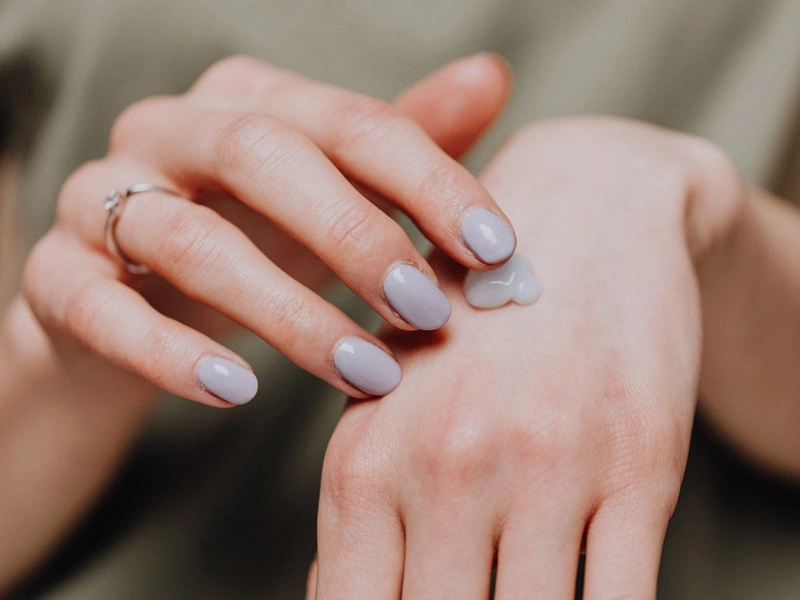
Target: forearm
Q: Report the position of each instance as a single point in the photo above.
(64, 425)
(750, 384)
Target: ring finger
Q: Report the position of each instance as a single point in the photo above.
(212, 261)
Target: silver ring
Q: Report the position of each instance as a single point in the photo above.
(114, 204)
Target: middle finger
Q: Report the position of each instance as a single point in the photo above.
(538, 555)
(376, 145)
(280, 173)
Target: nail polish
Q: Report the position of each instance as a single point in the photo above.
(366, 366)
(488, 236)
(227, 380)
(416, 297)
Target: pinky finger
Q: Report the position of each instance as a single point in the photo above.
(84, 300)
(623, 551)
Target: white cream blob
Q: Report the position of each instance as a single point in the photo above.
(512, 281)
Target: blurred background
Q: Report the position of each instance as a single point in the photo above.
(217, 504)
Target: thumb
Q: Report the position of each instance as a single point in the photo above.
(458, 102)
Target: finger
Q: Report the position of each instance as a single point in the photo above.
(454, 105)
(538, 556)
(311, 582)
(449, 553)
(73, 290)
(623, 551)
(359, 537)
(284, 176)
(213, 262)
(374, 144)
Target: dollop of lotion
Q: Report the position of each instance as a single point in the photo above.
(512, 281)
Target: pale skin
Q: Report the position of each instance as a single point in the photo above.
(573, 416)
(60, 437)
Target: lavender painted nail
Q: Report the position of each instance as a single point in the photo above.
(227, 380)
(366, 366)
(488, 236)
(416, 298)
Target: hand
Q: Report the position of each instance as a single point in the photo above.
(519, 432)
(284, 148)
(68, 415)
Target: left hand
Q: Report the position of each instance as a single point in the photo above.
(518, 431)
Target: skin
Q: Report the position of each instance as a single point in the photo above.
(520, 433)
(60, 437)
(287, 149)
(573, 419)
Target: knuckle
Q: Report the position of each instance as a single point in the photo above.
(240, 81)
(77, 187)
(251, 141)
(131, 122)
(156, 364)
(190, 242)
(354, 471)
(353, 228)
(654, 504)
(293, 321)
(649, 456)
(457, 452)
(445, 185)
(38, 265)
(364, 118)
(86, 312)
(230, 71)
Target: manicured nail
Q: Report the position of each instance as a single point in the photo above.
(488, 236)
(366, 366)
(227, 380)
(416, 298)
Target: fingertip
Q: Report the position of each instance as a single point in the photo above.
(459, 101)
(488, 236)
(416, 297)
(226, 380)
(485, 69)
(366, 366)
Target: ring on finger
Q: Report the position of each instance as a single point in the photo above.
(114, 203)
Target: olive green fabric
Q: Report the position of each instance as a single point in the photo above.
(220, 504)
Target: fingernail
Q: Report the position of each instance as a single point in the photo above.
(416, 298)
(366, 366)
(227, 380)
(488, 236)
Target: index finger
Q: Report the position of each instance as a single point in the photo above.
(374, 144)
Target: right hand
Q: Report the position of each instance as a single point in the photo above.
(265, 161)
